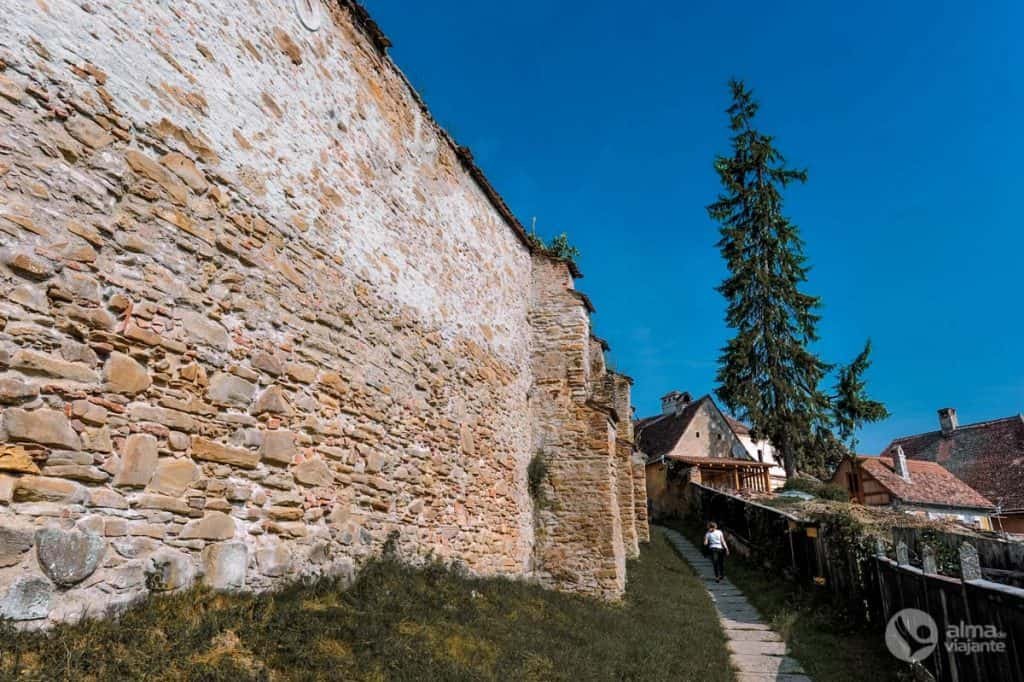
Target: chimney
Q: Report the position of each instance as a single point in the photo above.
(674, 402)
(947, 420)
(899, 462)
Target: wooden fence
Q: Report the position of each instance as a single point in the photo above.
(1002, 561)
(975, 616)
(972, 616)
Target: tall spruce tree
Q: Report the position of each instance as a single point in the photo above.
(851, 406)
(766, 373)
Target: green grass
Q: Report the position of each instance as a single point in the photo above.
(828, 646)
(398, 623)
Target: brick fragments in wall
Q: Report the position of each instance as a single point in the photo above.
(260, 315)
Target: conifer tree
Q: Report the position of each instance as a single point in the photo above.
(851, 406)
(766, 373)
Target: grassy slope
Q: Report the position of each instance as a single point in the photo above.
(828, 647)
(398, 623)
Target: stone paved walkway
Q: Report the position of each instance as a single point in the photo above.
(757, 653)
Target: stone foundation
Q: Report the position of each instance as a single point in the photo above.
(260, 315)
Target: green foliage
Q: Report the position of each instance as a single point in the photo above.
(851, 406)
(558, 247)
(822, 453)
(766, 374)
(831, 491)
(536, 474)
(947, 558)
(396, 623)
(825, 491)
(390, 548)
(847, 536)
(806, 485)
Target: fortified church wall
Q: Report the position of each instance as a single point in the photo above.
(260, 314)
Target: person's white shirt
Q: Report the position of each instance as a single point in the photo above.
(714, 539)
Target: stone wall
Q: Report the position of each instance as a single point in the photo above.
(641, 521)
(625, 472)
(260, 315)
(579, 525)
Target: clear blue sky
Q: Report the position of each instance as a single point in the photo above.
(602, 119)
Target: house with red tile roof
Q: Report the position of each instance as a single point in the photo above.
(917, 487)
(988, 456)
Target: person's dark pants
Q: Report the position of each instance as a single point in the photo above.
(718, 561)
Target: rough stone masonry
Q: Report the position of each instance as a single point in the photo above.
(261, 315)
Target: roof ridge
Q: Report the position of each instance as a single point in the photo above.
(987, 422)
(912, 463)
(655, 417)
(961, 427)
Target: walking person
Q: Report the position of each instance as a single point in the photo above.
(714, 540)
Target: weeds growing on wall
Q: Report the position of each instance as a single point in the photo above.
(536, 475)
(558, 247)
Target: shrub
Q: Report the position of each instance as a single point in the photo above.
(825, 491)
(831, 491)
(805, 485)
(536, 472)
(559, 247)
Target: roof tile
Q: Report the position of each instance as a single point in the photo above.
(929, 484)
(656, 436)
(987, 456)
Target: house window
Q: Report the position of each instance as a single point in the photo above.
(760, 455)
(698, 434)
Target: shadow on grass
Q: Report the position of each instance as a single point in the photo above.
(825, 642)
(397, 623)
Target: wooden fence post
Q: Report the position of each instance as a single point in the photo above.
(970, 565)
(791, 528)
(970, 569)
(928, 562)
(902, 559)
(902, 553)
